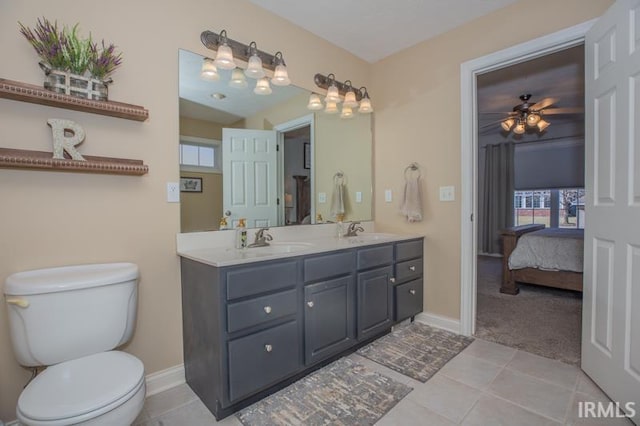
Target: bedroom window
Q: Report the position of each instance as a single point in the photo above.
(555, 208)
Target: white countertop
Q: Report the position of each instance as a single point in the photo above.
(216, 248)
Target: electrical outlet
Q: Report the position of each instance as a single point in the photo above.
(388, 195)
(173, 192)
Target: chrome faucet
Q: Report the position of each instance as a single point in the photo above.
(353, 229)
(262, 238)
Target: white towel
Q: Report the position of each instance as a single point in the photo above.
(337, 198)
(411, 205)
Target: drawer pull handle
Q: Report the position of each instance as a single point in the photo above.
(413, 292)
(268, 348)
(412, 268)
(392, 280)
(310, 304)
(267, 309)
(23, 303)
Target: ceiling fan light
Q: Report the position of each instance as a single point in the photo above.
(519, 129)
(315, 104)
(209, 70)
(533, 119)
(507, 124)
(254, 67)
(262, 87)
(238, 80)
(331, 107)
(542, 125)
(224, 58)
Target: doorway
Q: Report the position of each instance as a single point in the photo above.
(470, 70)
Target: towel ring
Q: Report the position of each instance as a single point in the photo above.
(413, 167)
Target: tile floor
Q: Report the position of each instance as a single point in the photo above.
(486, 384)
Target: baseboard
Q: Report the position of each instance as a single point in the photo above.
(439, 321)
(165, 379)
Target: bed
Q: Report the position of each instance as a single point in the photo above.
(550, 257)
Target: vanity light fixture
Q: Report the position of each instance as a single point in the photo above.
(254, 67)
(262, 87)
(352, 98)
(238, 80)
(257, 60)
(209, 70)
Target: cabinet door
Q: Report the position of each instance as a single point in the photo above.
(329, 318)
(375, 302)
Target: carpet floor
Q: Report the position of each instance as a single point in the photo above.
(541, 320)
(415, 350)
(343, 393)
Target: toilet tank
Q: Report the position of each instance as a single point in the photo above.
(65, 313)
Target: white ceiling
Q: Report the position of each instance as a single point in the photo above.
(375, 29)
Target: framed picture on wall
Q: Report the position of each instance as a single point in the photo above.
(190, 184)
(307, 155)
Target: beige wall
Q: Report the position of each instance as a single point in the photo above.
(416, 96)
(50, 218)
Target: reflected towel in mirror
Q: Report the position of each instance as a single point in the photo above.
(337, 198)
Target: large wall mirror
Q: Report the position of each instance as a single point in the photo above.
(266, 158)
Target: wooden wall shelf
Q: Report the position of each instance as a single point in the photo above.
(38, 95)
(39, 160)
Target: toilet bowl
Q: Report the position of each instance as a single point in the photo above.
(101, 389)
(71, 319)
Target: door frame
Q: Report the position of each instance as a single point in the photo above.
(282, 128)
(551, 43)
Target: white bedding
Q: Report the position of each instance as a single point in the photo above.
(553, 249)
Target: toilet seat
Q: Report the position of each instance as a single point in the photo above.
(81, 389)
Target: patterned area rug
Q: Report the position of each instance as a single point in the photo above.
(342, 393)
(416, 350)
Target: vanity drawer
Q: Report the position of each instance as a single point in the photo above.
(261, 309)
(408, 270)
(408, 299)
(375, 256)
(262, 359)
(408, 250)
(255, 279)
(329, 265)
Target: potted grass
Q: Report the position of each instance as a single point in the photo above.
(73, 65)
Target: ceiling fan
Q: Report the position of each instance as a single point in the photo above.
(530, 115)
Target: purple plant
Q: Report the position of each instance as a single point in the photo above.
(105, 61)
(48, 42)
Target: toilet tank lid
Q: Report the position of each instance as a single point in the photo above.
(67, 278)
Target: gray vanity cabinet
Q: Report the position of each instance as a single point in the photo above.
(375, 296)
(329, 305)
(408, 286)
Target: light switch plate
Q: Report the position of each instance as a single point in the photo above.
(322, 197)
(358, 197)
(173, 192)
(447, 193)
(388, 195)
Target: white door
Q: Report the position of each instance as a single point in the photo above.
(249, 176)
(611, 301)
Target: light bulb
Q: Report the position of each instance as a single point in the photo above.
(519, 129)
(254, 67)
(281, 76)
(365, 106)
(331, 107)
(262, 87)
(315, 103)
(507, 124)
(332, 94)
(238, 80)
(350, 99)
(542, 124)
(209, 70)
(224, 57)
(347, 112)
(533, 119)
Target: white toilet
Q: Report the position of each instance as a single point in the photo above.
(70, 319)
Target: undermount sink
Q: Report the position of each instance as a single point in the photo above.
(371, 236)
(282, 247)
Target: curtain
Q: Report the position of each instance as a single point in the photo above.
(497, 195)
